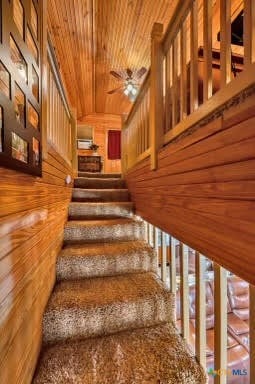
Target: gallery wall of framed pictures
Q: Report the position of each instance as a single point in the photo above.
(20, 85)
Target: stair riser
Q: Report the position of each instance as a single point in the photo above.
(75, 323)
(114, 233)
(100, 196)
(100, 175)
(72, 268)
(90, 183)
(85, 211)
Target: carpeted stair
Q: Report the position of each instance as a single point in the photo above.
(109, 319)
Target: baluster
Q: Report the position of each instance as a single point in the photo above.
(225, 41)
(151, 237)
(183, 72)
(194, 57)
(220, 322)
(249, 32)
(146, 231)
(164, 256)
(207, 30)
(172, 265)
(174, 85)
(200, 310)
(156, 242)
(184, 290)
(252, 334)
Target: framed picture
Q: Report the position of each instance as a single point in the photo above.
(20, 85)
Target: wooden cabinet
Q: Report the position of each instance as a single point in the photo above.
(89, 163)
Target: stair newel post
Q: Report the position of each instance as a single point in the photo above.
(74, 155)
(156, 93)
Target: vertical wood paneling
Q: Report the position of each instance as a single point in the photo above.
(32, 217)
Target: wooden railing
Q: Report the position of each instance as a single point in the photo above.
(181, 96)
(60, 122)
(136, 139)
(179, 283)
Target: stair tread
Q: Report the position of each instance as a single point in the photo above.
(106, 249)
(93, 292)
(148, 355)
(102, 222)
(106, 305)
(98, 183)
(105, 259)
(87, 210)
(99, 175)
(102, 203)
(102, 230)
(95, 194)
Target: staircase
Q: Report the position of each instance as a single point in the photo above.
(109, 319)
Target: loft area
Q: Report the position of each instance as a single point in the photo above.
(236, 30)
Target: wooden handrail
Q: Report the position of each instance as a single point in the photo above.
(144, 88)
(54, 66)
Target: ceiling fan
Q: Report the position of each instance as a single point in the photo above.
(131, 81)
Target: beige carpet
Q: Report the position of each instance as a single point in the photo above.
(109, 319)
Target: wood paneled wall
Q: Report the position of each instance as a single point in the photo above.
(32, 216)
(101, 123)
(203, 191)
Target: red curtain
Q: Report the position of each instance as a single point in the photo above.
(114, 145)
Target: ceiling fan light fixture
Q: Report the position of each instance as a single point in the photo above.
(126, 91)
(130, 87)
(134, 91)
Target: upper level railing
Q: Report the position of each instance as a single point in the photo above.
(61, 124)
(194, 70)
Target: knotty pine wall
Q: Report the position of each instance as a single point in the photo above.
(101, 123)
(203, 191)
(32, 216)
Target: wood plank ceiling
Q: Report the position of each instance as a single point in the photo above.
(92, 37)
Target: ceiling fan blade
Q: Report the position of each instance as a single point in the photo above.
(115, 90)
(141, 72)
(129, 72)
(116, 74)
